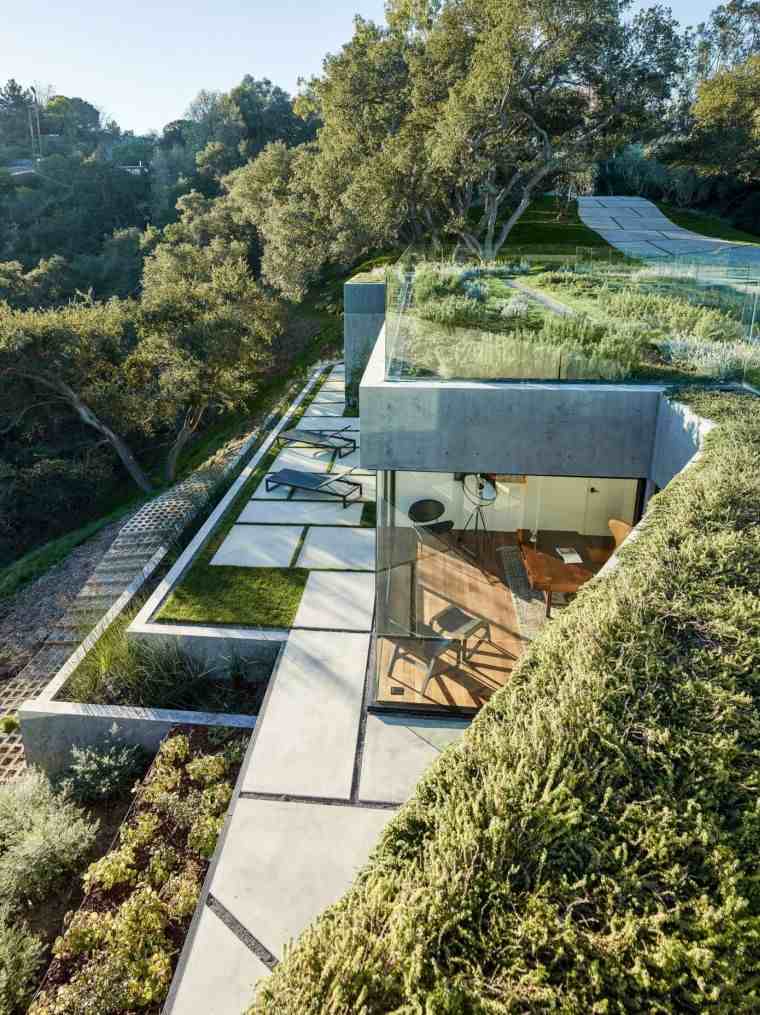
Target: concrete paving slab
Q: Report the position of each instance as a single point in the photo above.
(398, 750)
(326, 394)
(328, 423)
(638, 228)
(304, 458)
(337, 601)
(339, 549)
(221, 972)
(306, 740)
(334, 384)
(325, 409)
(291, 512)
(278, 493)
(284, 863)
(259, 545)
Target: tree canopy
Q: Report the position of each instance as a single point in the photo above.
(446, 122)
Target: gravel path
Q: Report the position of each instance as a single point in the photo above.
(27, 617)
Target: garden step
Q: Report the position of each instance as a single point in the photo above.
(115, 569)
(139, 544)
(88, 594)
(103, 587)
(127, 561)
(68, 643)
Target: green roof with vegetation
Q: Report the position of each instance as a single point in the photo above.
(611, 320)
(590, 845)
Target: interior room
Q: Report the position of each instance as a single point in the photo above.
(470, 568)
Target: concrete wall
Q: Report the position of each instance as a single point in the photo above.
(50, 729)
(678, 437)
(535, 429)
(214, 647)
(364, 317)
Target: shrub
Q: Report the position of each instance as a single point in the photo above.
(115, 868)
(181, 892)
(9, 724)
(204, 833)
(475, 291)
(727, 361)
(208, 769)
(104, 771)
(44, 838)
(453, 310)
(517, 307)
(21, 955)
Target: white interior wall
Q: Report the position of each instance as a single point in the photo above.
(544, 502)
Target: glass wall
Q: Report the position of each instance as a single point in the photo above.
(455, 604)
(574, 318)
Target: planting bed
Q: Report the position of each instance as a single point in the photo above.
(119, 949)
(122, 672)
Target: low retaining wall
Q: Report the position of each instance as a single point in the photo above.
(51, 728)
(214, 646)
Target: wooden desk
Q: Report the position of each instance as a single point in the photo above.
(549, 574)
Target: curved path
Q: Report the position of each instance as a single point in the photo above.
(638, 228)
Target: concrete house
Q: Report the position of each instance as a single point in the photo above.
(498, 496)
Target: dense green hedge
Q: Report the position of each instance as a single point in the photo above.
(591, 846)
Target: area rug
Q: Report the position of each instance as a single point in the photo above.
(530, 606)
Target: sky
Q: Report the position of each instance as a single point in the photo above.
(142, 62)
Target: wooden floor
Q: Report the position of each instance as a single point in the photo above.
(475, 585)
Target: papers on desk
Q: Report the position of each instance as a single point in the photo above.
(569, 555)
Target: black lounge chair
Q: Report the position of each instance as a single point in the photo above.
(317, 482)
(336, 440)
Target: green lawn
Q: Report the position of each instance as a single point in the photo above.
(543, 230)
(254, 596)
(706, 225)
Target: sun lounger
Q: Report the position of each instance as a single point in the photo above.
(346, 490)
(337, 440)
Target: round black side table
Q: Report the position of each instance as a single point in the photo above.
(425, 511)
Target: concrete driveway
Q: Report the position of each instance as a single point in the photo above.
(638, 228)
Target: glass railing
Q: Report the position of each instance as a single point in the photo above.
(581, 317)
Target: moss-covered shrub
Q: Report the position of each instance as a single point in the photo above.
(105, 770)
(591, 844)
(118, 952)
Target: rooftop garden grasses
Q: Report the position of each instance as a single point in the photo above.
(590, 845)
(611, 323)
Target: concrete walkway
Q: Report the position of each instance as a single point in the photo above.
(321, 779)
(637, 227)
